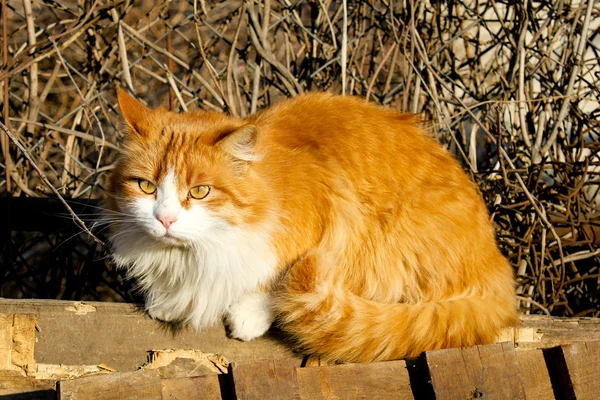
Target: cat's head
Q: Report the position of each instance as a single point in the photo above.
(182, 178)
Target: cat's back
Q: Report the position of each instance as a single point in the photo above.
(323, 119)
(371, 143)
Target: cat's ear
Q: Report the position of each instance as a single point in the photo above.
(240, 143)
(132, 110)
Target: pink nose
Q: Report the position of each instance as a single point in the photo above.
(166, 220)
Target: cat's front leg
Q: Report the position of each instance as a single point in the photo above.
(250, 316)
(158, 313)
(161, 313)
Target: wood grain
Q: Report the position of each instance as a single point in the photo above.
(140, 385)
(119, 335)
(204, 387)
(17, 340)
(490, 371)
(534, 375)
(12, 383)
(382, 380)
(272, 380)
(582, 362)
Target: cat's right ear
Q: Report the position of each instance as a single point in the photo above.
(134, 112)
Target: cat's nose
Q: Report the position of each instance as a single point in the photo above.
(167, 220)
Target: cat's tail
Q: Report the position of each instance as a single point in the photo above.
(334, 323)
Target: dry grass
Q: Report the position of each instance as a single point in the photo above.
(482, 73)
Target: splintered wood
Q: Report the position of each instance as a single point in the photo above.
(170, 374)
(17, 339)
(178, 361)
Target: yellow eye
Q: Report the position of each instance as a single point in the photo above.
(147, 187)
(199, 192)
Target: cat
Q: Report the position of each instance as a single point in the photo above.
(341, 221)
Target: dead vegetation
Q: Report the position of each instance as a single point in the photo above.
(525, 76)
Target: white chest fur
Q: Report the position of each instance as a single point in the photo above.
(195, 283)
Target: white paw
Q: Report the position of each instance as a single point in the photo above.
(250, 317)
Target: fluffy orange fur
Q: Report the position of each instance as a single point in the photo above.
(384, 246)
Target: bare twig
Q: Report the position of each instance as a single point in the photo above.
(573, 76)
(344, 57)
(6, 110)
(535, 303)
(122, 51)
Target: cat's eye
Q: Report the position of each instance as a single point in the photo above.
(146, 186)
(199, 192)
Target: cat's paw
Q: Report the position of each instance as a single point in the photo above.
(250, 317)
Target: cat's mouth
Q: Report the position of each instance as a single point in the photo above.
(168, 237)
(172, 239)
(164, 236)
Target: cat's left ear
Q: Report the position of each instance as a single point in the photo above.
(240, 143)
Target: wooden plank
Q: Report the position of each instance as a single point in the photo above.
(12, 383)
(272, 380)
(536, 331)
(119, 335)
(205, 387)
(141, 385)
(534, 375)
(381, 380)
(578, 372)
(489, 371)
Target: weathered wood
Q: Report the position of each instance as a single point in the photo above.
(577, 373)
(17, 340)
(382, 380)
(140, 385)
(265, 380)
(6, 341)
(119, 335)
(534, 375)
(62, 371)
(205, 387)
(536, 331)
(12, 382)
(481, 371)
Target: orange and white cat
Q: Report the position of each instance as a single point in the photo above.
(341, 221)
